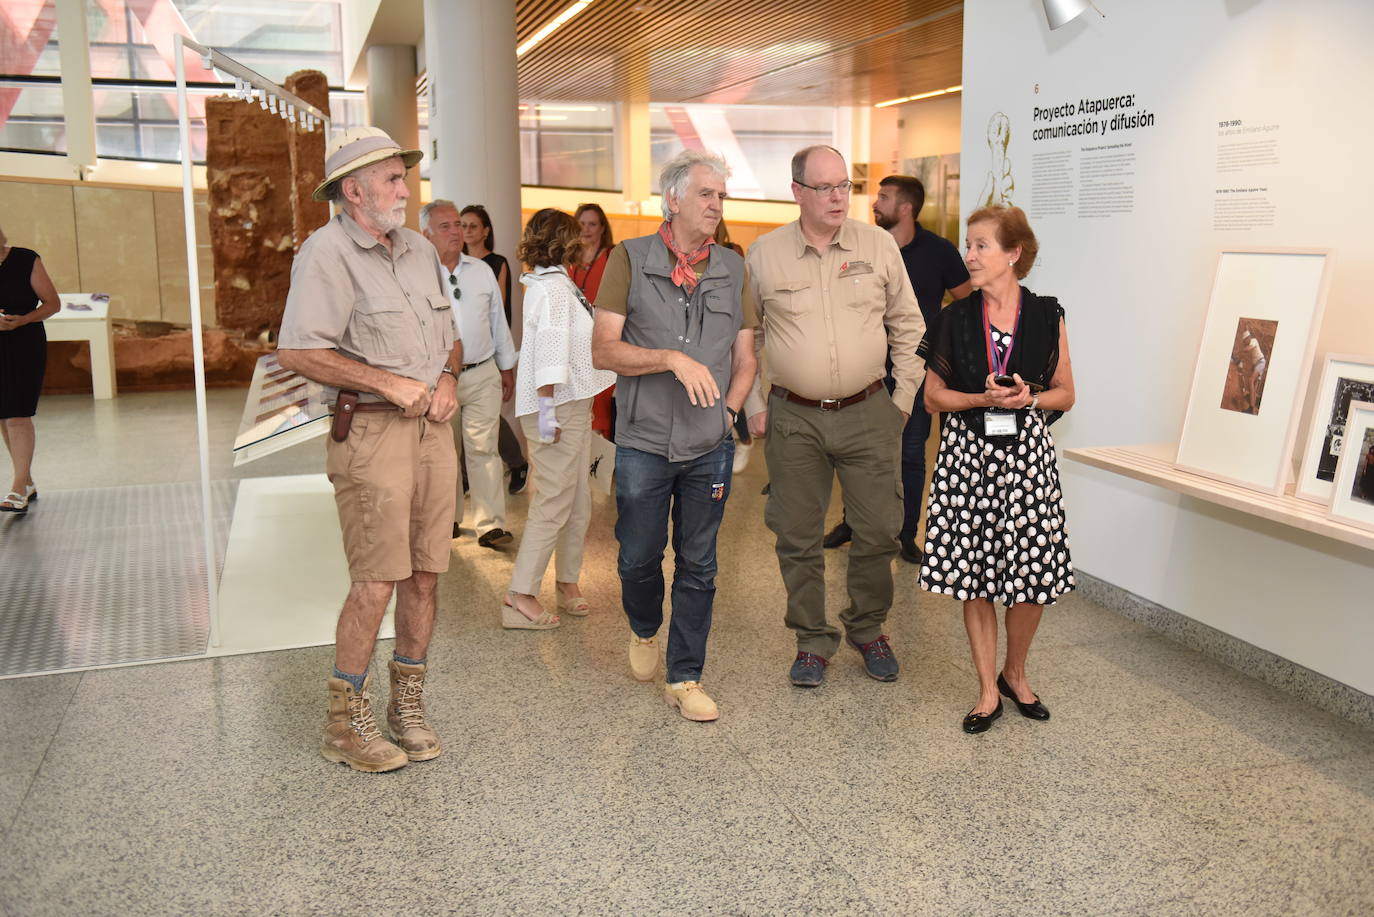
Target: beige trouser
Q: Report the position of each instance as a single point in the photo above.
(561, 507)
(478, 423)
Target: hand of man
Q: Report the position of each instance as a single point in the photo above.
(507, 384)
(696, 379)
(443, 404)
(410, 396)
(758, 424)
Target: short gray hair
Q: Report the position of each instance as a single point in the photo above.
(678, 172)
(799, 159)
(432, 206)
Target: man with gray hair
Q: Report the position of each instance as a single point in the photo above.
(367, 317)
(488, 376)
(671, 323)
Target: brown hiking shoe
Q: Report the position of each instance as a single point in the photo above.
(350, 733)
(405, 715)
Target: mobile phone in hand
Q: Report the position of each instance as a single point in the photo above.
(1006, 381)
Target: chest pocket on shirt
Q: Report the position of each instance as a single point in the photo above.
(386, 326)
(866, 297)
(444, 328)
(788, 297)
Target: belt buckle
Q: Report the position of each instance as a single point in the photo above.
(830, 404)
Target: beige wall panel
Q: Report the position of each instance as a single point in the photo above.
(171, 257)
(117, 244)
(40, 216)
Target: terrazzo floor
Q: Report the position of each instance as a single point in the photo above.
(1166, 783)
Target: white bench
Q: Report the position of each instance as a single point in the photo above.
(86, 317)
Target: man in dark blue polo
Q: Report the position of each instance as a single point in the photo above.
(934, 266)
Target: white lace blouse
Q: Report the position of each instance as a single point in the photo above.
(557, 347)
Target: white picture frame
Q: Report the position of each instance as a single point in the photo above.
(1345, 378)
(1352, 492)
(1253, 362)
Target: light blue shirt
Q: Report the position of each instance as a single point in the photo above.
(479, 314)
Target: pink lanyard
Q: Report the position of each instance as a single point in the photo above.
(999, 365)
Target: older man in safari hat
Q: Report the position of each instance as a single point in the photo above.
(367, 316)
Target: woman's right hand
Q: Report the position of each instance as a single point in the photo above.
(1003, 396)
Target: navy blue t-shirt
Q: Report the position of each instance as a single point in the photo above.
(934, 266)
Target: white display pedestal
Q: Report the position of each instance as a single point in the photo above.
(285, 576)
(86, 317)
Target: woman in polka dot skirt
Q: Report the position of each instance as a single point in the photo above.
(999, 371)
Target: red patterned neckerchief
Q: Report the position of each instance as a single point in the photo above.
(683, 275)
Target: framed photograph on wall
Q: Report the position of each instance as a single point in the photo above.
(1345, 378)
(1352, 497)
(1252, 367)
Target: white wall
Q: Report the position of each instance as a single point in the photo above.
(1136, 285)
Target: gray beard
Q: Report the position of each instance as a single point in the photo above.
(385, 222)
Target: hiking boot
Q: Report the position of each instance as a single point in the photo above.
(350, 733)
(405, 714)
(643, 657)
(691, 701)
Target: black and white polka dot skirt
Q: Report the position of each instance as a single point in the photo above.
(995, 527)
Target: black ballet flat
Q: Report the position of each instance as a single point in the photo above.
(975, 723)
(1031, 711)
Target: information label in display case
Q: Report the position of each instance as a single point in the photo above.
(283, 409)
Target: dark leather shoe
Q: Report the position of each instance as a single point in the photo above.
(910, 553)
(457, 532)
(495, 538)
(839, 535)
(808, 670)
(519, 477)
(975, 723)
(1031, 711)
(879, 662)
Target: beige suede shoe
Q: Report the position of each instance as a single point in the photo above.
(350, 733)
(643, 657)
(405, 714)
(692, 702)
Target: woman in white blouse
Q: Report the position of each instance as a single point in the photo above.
(554, 387)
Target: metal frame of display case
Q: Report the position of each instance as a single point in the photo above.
(250, 86)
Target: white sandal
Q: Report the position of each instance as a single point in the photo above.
(14, 503)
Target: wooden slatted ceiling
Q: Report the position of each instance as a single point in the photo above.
(798, 52)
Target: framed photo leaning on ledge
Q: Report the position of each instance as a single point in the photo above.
(1352, 498)
(1253, 363)
(1345, 378)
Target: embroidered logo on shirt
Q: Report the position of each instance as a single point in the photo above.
(853, 268)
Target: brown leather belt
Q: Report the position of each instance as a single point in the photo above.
(375, 406)
(827, 404)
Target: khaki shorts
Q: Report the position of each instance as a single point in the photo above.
(393, 482)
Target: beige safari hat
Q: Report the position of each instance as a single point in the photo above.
(358, 147)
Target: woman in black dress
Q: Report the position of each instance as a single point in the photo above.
(999, 372)
(27, 296)
(478, 238)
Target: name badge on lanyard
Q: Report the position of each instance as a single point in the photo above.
(999, 421)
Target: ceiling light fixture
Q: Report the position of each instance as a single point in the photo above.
(920, 96)
(1060, 13)
(548, 29)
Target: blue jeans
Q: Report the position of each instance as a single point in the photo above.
(649, 490)
(914, 436)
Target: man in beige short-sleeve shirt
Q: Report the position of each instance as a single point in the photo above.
(367, 313)
(835, 303)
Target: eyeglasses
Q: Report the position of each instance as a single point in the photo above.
(843, 187)
(457, 290)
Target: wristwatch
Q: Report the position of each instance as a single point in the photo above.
(448, 370)
(1035, 400)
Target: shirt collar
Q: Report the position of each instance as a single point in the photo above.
(550, 269)
(846, 238)
(364, 239)
(465, 258)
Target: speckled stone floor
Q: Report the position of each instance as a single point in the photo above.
(1165, 783)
